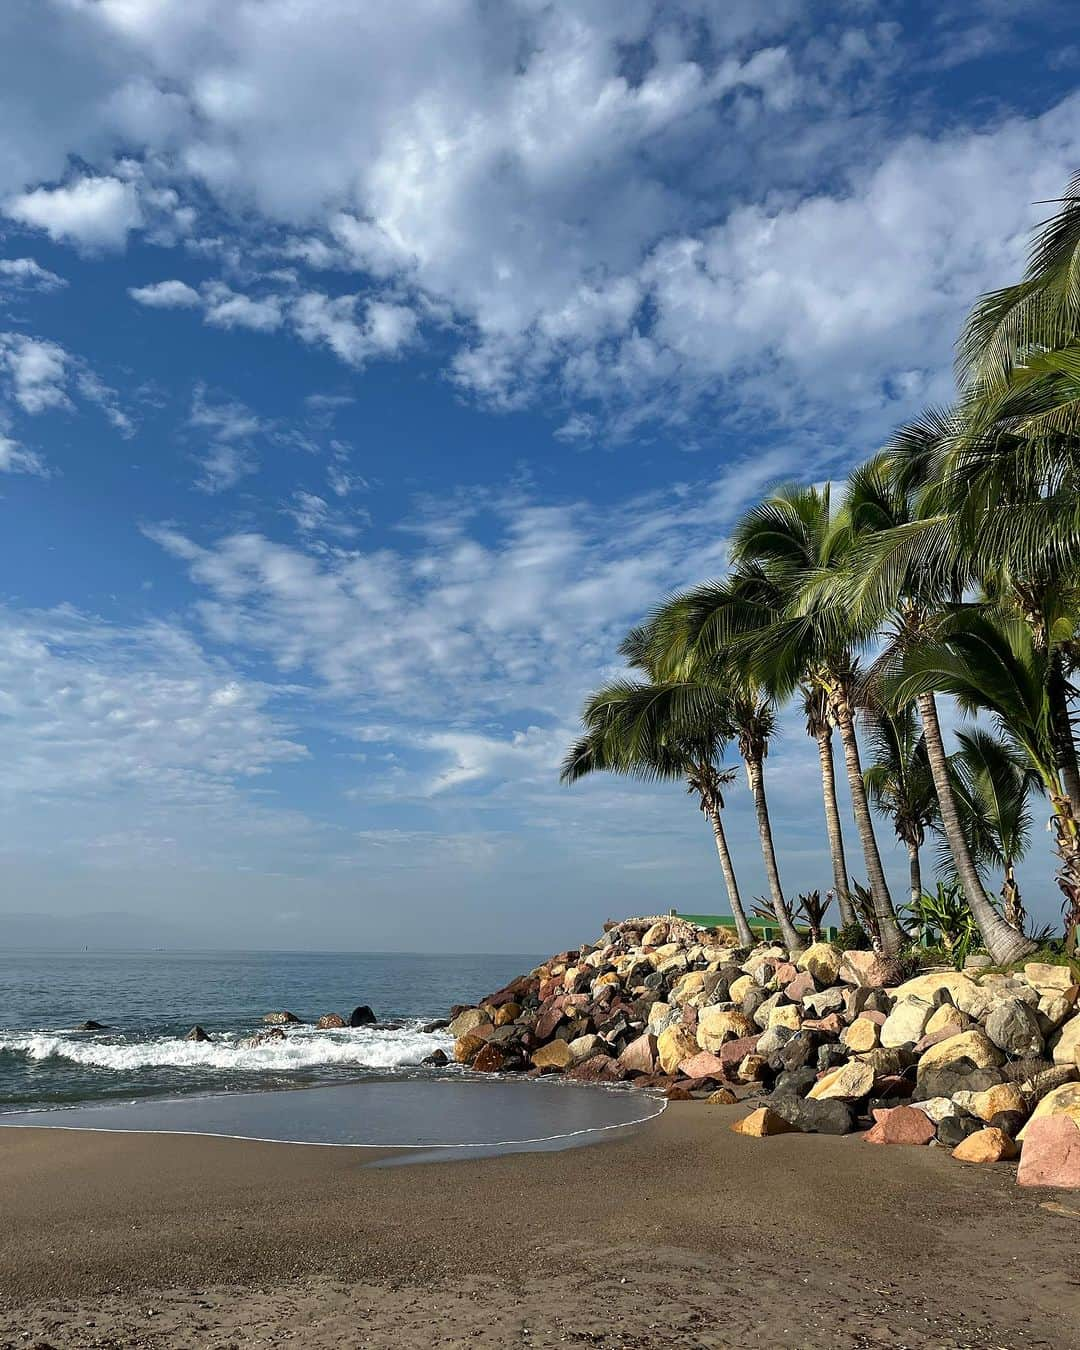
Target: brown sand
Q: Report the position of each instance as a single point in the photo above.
(680, 1234)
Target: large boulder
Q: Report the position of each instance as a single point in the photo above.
(1014, 1027)
(465, 1023)
(555, 1056)
(967, 1050)
(1051, 1153)
(822, 960)
(330, 1022)
(585, 1047)
(489, 1058)
(1066, 1049)
(639, 1057)
(907, 1022)
(986, 1146)
(1047, 978)
(866, 970)
(1001, 1097)
(362, 1016)
(438, 1059)
(900, 1125)
(597, 1069)
(1061, 1101)
(827, 1001)
(674, 1045)
(279, 1019)
(812, 1115)
(702, 1065)
(947, 1017)
(849, 1083)
(467, 1047)
(936, 983)
(717, 1025)
(862, 1035)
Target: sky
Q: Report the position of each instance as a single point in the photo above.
(367, 370)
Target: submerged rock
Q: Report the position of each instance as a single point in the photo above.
(362, 1016)
(92, 1026)
(438, 1058)
(196, 1034)
(330, 1022)
(282, 1018)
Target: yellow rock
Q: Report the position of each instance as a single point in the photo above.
(861, 1036)
(975, 1046)
(674, 1045)
(721, 1097)
(686, 986)
(657, 934)
(609, 978)
(822, 960)
(947, 1018)
(785, 1015)
(509, 1012)
(554, 1055)
(1046, 978)
(847, 1083)
(740, 987)
(986, 1146)
(1001, 1097)
(1067, 1046)
(465, 1047)
(717, 1025)
(469, 1020)
(926, 986)
(1063, 1101)
(761, 1123)
(751, 1068)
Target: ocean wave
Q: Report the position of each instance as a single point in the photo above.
(360, 1048)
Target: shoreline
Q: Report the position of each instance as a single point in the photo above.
(679, 1232)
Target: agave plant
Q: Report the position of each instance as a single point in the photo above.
(943, 917)
(811, 909)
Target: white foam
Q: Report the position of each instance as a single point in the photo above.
(302, 1048)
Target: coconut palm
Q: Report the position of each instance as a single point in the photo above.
(993, 784)
(818, 725)
(622, 737)
(900, 783)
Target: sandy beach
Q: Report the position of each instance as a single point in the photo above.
(680, 1233)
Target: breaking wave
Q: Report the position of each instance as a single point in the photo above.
(302, 1048)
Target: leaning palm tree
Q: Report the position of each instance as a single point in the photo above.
(625, 734)
(900, 783)
(994, 781)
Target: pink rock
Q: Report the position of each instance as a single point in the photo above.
(598, 1069)
(732, 1053)
(798, 988)
(640, 1056)
(869, 1015)
(703, 1065)
(785, 973)
(1051, 1153)
(551, 1014)
(690, 1017)
(831, 1025)
(925, 1042)
(900, 1125)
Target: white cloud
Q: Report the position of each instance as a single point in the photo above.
(225, 308)
(93, 212)
(15, 458)
(37, 372)
(231, 427)
(27, 274)
(384, 330)
(166, 295)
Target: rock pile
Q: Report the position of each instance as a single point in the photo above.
(824, 1041)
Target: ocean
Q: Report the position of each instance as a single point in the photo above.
(149, 1000)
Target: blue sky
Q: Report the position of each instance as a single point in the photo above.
(366, 371)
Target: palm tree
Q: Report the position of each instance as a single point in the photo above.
(993, 782)
(625, 733)
(900, 783)
(993, 664)
(818, 725)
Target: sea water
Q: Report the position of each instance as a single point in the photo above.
(149, 1000)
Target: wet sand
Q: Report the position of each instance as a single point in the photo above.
(677, 1234)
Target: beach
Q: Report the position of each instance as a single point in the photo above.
(678, 1232)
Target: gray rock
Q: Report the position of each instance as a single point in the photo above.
(954, 1130)
(774, 1039)
(92, 1026)
(752, 1001)
(765, 1007)
(796, 1082)
(196, 1034)
(827, 1001)
(798, 1052)
(831, 1056)
(437, 1058)
(947, 1081)
(278, 1019)
(362, 1017)
(814, 1117)
(1014, 1027)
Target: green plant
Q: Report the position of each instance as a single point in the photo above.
(862, 901)
(944, 915)
(852, 938)
(811, 909)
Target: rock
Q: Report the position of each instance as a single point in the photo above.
(507, 1013)
(1008, 1122)
(262, 1037)
(813, 1115)
(1055, 1010)
(1051, 1153)
(468, 1021)
(196, 1034)
(661, 1016)
(752, 1069)
(440, 1024)
(639, 1057)
(891, 1060)
(786, 1017)
(956, 1078)
(865, 970)
(1014, 1028)
(929, 986)
(900, 1125)
(732, 1053)
(330, 1022)
(278, 1019)
(795, 1082)
(774, 1039)
(827, 1001)
(91, 1025)
(674, 1045)
(822, 960)
(740, 987)
(362, 1016)
(438, 1058)
(1047, 978)
(762, 1123)
(489, 1058)
(800, 987)
(597, 1069)
(906, 1023)
(467, 1047)
(702, 1065)
(799, 1051)
(1041, 1078)
(862, 1035)
(1000, 1097)
(948, 1018)
(555, 1055)
(721, 1097)
(766, 1008)
(849, 1083)
(717, 1025)
(972, 1049)
(937, 1109)
(986, 1146)
(1062, 1101)
(676, 1093)
(1066, 1049)
(656, 935)
(955, 1129)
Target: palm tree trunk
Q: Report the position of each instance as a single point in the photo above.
(1010, 894)
(914, 871)
(756, 774)
(1003, 943)
(832, 827)
(742, 927)
(1064, 745)
(891, 936)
